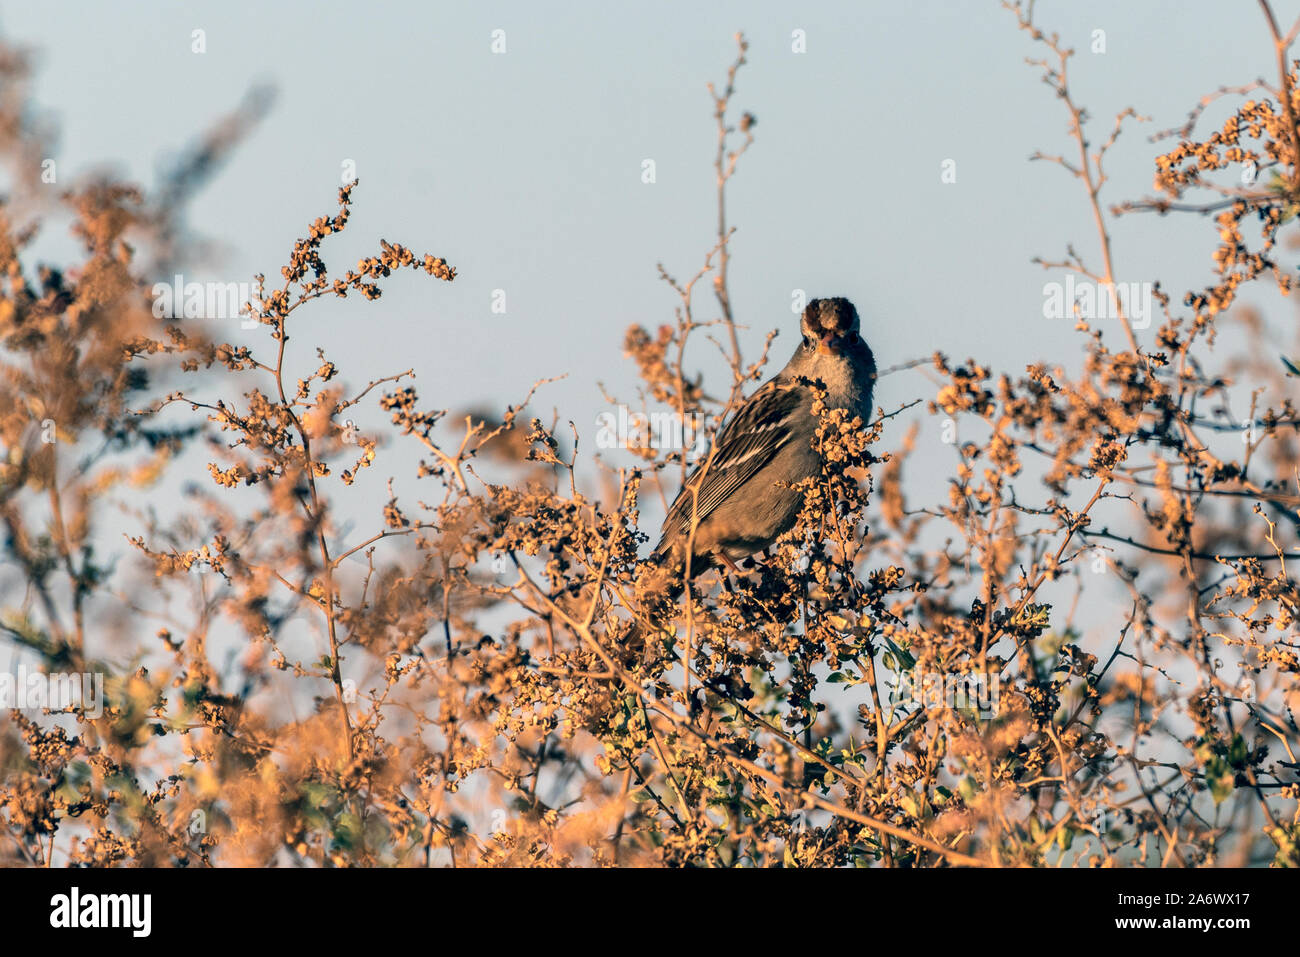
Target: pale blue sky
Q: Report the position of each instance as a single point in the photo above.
(523, 169)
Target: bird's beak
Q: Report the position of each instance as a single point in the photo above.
(828, 344)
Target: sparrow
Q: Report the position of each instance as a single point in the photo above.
(738, 497)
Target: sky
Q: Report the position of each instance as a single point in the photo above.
(523, 168)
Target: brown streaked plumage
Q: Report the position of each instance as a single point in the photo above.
(738, 497)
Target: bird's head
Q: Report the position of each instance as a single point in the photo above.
(829, 325)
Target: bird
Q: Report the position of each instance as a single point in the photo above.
(738, 497)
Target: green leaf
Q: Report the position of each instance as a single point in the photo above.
(1238, 751)
(1064, 838)
(1219, 776)
(967, 788)
(907, 660)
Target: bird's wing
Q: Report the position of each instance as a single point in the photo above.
(747, 443)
